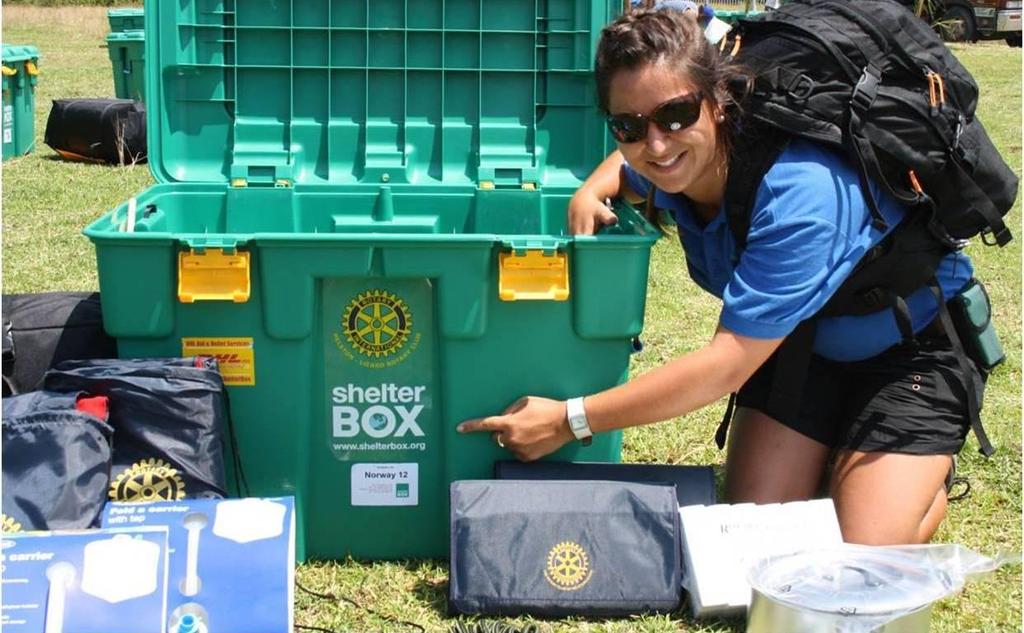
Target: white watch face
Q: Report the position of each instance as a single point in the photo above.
(578, 424)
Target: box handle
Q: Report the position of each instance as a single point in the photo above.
(211, 274)
(533, 275)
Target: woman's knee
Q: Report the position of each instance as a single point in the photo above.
(889, 499)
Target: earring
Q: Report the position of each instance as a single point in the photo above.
(720, 118)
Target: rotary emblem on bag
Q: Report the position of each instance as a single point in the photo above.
(568, 566)
(148, 480)
(377, 323)
(9, 525)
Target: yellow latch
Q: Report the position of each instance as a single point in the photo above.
(213, 275)
(31, 68)
(9, 72)
(533, 276)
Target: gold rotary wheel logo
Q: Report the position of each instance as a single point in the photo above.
(568, 566)
(377, 323)
(9, 525)
(148, 480)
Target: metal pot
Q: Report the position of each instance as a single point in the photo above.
(771, 616)
(852, 589)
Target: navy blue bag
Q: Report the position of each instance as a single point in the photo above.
(170, 418)
(56, 463)
(695, 485)
(559, 548)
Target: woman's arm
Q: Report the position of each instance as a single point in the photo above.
(533, 427)
(587, 209)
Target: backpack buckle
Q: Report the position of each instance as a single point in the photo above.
(801, 88)
(866, 89)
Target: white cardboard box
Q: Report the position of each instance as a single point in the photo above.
(720, 542)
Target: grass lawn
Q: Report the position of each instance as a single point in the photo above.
(47, 202)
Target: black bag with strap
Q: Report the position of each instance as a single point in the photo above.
(110, 131)
(41, 330)
(870, 80)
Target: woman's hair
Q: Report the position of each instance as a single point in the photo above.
(673, 39)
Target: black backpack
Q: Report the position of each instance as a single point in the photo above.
(873, 81)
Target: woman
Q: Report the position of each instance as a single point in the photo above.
(878, 420)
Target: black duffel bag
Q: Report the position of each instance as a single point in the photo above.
(56, 463)
(107, 130)
(559, 548)
(170, 420)
(41, 330)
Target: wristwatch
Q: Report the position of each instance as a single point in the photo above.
(578, 423)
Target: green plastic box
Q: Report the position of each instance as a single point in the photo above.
(127, 55)
(733, 17)
(361, 212)
(129, 19)
(20, 76)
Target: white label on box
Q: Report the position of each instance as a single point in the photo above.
(385, 484)
(8, 135)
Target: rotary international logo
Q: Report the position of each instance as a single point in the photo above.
(148, 480)
(377, 323)
(568, 567)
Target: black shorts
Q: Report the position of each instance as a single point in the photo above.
(908, 399)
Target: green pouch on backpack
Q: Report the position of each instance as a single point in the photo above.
(972, 316)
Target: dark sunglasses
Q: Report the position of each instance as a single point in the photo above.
(671, 116)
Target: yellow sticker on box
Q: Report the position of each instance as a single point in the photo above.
(235, 356)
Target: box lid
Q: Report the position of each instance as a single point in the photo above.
(13, 53)
(344, 92)
(126, 12)
(126, 36)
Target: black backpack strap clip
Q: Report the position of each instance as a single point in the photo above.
(866, 90)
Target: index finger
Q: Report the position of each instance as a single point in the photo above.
(490, 423)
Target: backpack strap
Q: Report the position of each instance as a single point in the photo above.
(649, 208)
(756, 149)
(970, 380)
(978, 200)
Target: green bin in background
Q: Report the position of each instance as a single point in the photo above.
(732, 17)
(127, 55)
(361, 211)
(20, 76)
(125, 19)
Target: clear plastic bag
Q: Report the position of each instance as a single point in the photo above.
(857, 588)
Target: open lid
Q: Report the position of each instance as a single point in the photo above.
(342, 92)
(13, 53)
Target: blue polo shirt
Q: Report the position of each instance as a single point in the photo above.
(809, 227)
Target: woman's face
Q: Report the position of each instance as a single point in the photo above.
(683, 161)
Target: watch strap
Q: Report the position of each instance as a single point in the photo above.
(577, 419)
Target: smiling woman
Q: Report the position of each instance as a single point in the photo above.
(871, 411)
